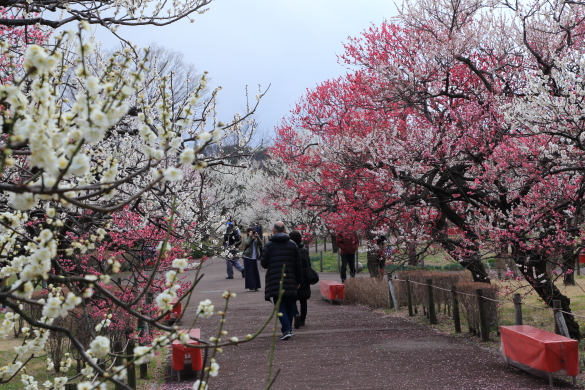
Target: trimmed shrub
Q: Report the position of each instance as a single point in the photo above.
(372, 292)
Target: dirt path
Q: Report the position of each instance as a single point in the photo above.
(344, 347)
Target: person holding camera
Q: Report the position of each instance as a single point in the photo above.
(251, 251)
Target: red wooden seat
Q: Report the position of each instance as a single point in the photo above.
(540, 349)
(330, 289)
(179, 351)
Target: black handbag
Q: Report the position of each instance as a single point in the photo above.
(311, 276)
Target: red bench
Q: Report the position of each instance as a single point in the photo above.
(180, 351)
(539, 349)
(330, 289)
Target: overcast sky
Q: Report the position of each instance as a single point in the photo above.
(289, 44)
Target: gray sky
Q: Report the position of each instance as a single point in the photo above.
(290, 44)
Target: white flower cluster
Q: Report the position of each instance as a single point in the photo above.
(57, 384)
(9, 370)
(35, 341)
(100, 347)
(29, 382)
(143, 354)
(105, 323)
(205, 309)
(8, 324)
(57, 306)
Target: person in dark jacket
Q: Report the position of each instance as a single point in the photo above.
(348, 243)
(231, 241)
(304, 292)
(251, 249)
(278, 254)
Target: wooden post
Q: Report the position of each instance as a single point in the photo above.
(456, 317)
(483, 324)
(560, 324)
(316, 245)
(325, 244)
(432, 314)
(143, 366)
(321, 261)
(118, 361)
(131, 368)
(409, 297)
(393, 293)
(556, 308)
(517, 309)
(390, 298)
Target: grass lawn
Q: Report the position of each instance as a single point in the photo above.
(434, 261)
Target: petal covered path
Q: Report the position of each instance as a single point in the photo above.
(342, 347)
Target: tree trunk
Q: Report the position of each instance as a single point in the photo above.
(535, 273)
(334, 246)
(571, 262)
(372, 257)
(477, 270)
(411, 252)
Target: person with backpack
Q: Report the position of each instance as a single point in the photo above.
(281, 258)
(304, 292)
(231, 242)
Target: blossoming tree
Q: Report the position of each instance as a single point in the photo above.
(95, 154)
(440, 114)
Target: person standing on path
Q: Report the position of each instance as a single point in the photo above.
(304, 292)
(348, 243)
(278, 254)
(251, 250)
(231, 242)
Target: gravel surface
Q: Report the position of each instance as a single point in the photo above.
(343, 346)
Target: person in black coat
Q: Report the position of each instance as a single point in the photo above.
(278, 254)
(304, 292)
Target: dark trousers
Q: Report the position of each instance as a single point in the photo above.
(287, 308)
(303, 313)
(252, 274)
(345, 261)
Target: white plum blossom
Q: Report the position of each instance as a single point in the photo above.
(187, 156)
(213, 369)
(25, 201)
(205, 309)
(173, 174)
(180, 264)
(100, 347)
(199, 385)
(143, 354)
(164, 301)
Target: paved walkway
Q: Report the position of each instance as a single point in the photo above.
(343, 347)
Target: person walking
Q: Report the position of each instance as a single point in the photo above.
(304, 292)
(231, 242)
(251, 250)
(280, 255)
(348, 243)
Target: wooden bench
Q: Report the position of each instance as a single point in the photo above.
(330, 289)
(527, 347)
(180, 351)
